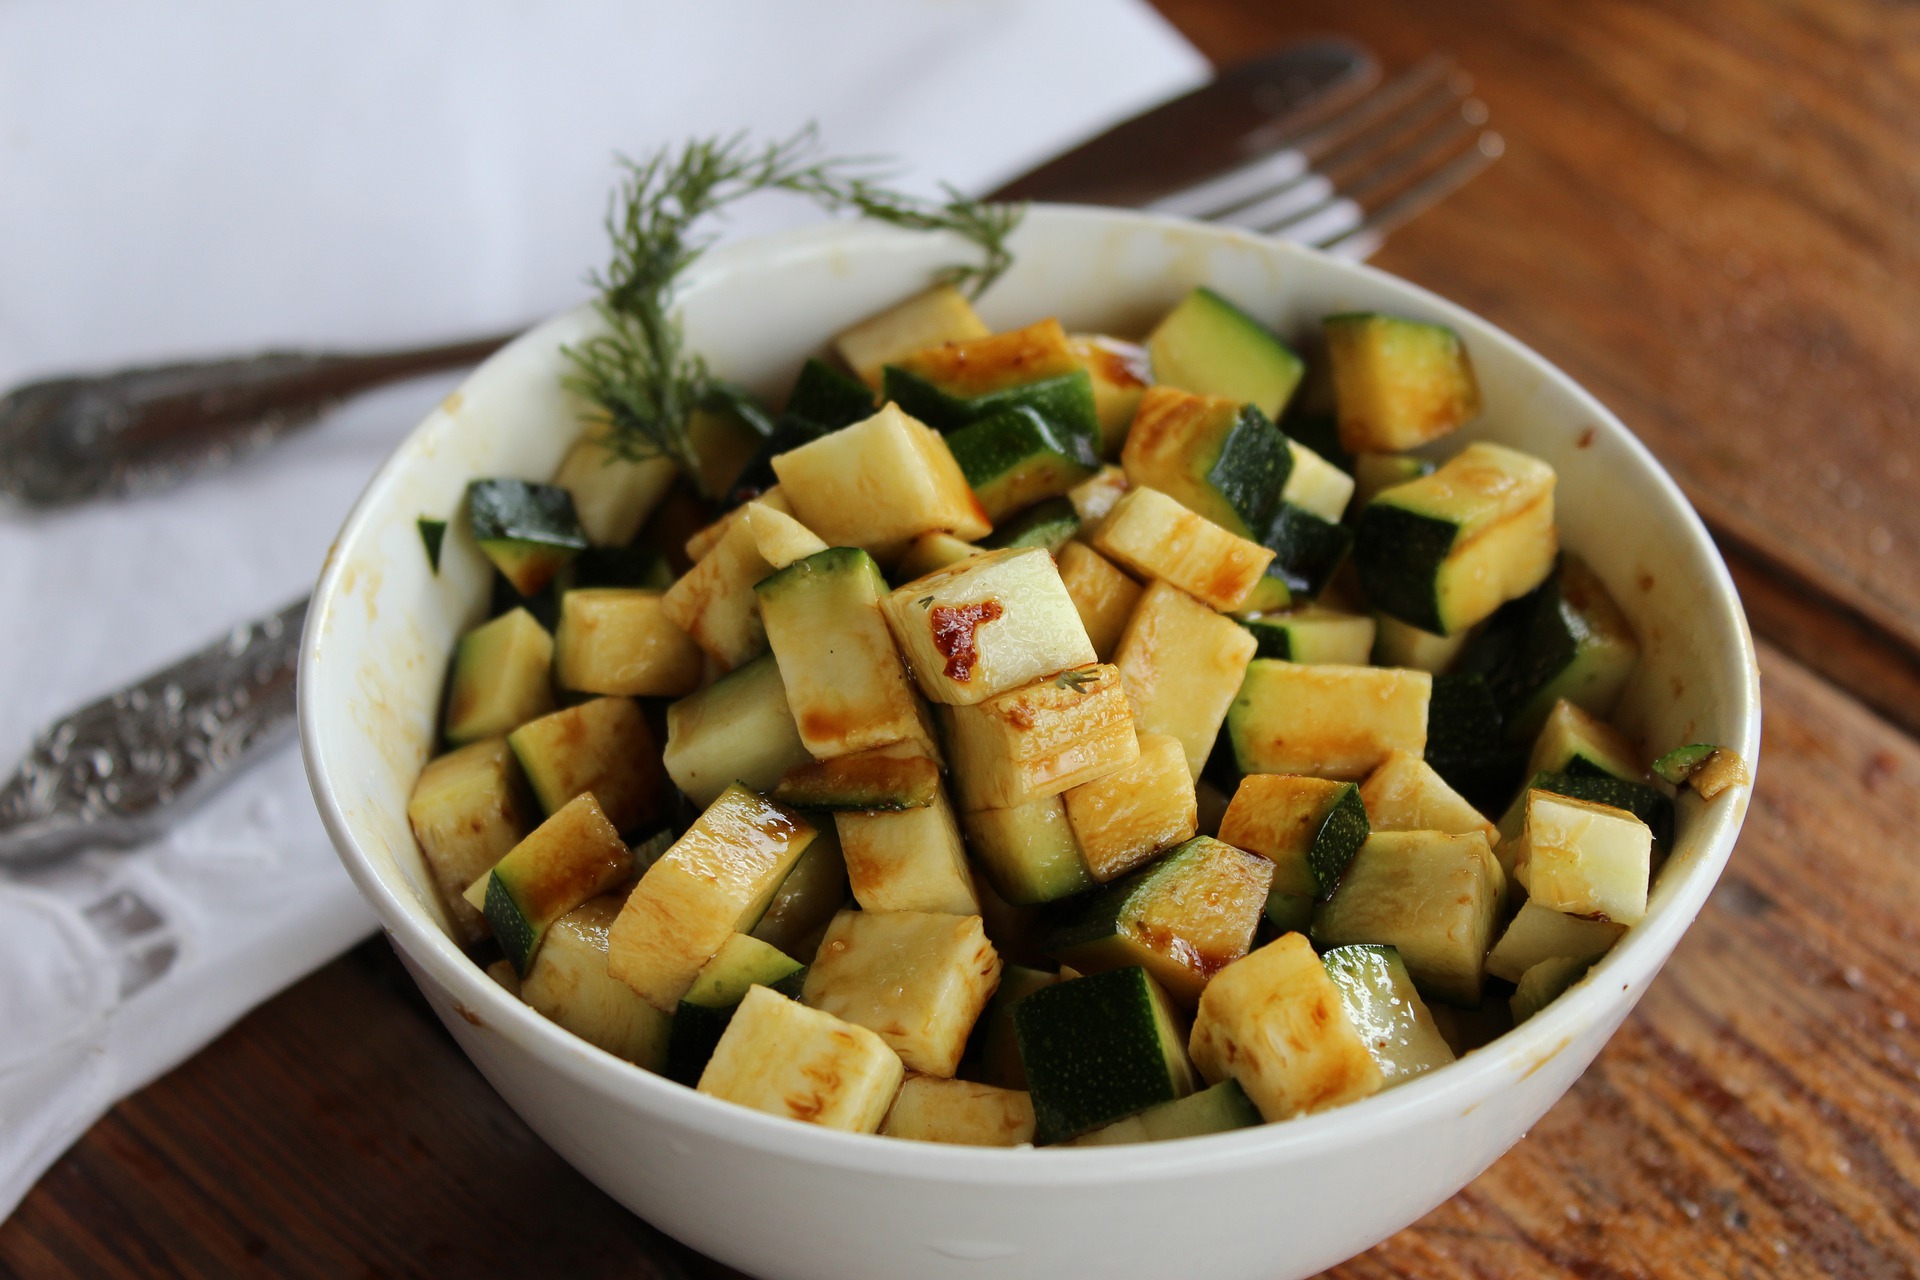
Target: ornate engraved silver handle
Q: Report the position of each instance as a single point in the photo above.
(114, 771)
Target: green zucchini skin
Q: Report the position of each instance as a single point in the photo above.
(1019, 450)
(823, 400)
(1065, 401)
(1210, 347)
(1307, 550)
(641, 567)
(1467, 741)
(1398, 554)
(1544, 645)
(1342, 832)
(1098, 1049)
(513, 927)
(529, 531)
(1677, 766)
(432, 533)
(697, 1028)
(1252, 467)
(1050, 524)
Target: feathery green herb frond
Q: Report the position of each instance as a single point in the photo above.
(638, 373)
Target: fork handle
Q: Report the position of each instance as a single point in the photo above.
(66, 440)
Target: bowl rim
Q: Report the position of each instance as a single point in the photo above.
(1465, 1084)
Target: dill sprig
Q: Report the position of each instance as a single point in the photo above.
(638, 373)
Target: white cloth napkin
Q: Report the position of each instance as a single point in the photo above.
(205, 177)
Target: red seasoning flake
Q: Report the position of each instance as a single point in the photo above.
(953, 634)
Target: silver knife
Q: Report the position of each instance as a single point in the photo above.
(117, 771)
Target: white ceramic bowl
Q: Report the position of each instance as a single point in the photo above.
(782, 1199)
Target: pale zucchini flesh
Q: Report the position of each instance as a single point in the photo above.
(783, 1058)
(919, 980)
(1124, 819)
(569, 984)
(1182, 664)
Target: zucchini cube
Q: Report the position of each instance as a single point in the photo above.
(1313, 635)
(940, 315)
(1326, 721)
(1443, 552)
(707, 537)
(1028, 853)
(741, 963)
(501, 678)
(1308, 549)
(931, 551)
(1277, 1024)
(1569, 640)
(1574, 740)
(1183, 663)
(951, 386)
(1209, 346)
(1127, 817)
(1315, 485)
(1103, 596)
(1017, 457)
(1037, 741)
(780, 538)
(1222, 459)
(736, 729)
(568, 984)
(845, 682)
(468, 809)
(911, 860)
(604, 747)
(1585, 859)
(812, 893)
(1098, 1049)
(620, 641)
(574, 855)
(986, 625)
(886, 779)
(880, 484)
(1309, 828)
(963, 1112)
(1094, 497)
(1541, 985)
(713, 602)
(1219, 1108)
(998, 1062)
(1391, 1017)
(1405, 794)
(785, 1059)
(1155, 537)
(1183, 919)
(1120, 372)
(528, 531)
(828, 398)
(612, 495)
(917, 979)
(714, 881)
(1373, 473)
(1430, 896)
(1399, 383)
(1401, 644)
(1047, 525)
(1539, 933)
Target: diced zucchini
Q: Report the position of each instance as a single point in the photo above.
(779, 537)
(913, 860)
(1309, 828)
(1185, 918)
(715, 881)
(1287, 913)
(1708, 769)
(1211, 347)
(574, 855)
(1316, 485)
(501, 678)
(1427, 894)
(807, 899)
(1120, 373)
(1103, 596)
(1222, 459)
(1573, 740)
(528, 530)
(940, 315)
(827, 397)
(619, 641)
(432, 534)
(1028, 852)
(604, 747)
(1567, 640)
(783, 1058)
(612, 495)
(706, 538)
(1375, 473)
(568, 984)
(1047, 525)
(1326, 721)
(1037, 741)
(1153, 535)
(1313, 635)
(1445, 551)
(1539, 933)
(999, 1048)
(1098, 1049)
(931, 551)
(845, 683)
(1399, 383)
(629, 567)
(724, 443)
(1094, 497)
(1277, 1024)
(1390, 1015)
(987, 625)
(469, 808)
(890, 778)
(1585, 859)
(1541, 985)
(713, 602)
(952, 386)
(1124, 819)
(880, 484)
(1467, 741)
(1219, 1108)
(1307, 550)
(1637, 798)
(1182, 663)
(1401, 644)
(1016, 457)
(736, 729)
(704, 1012)
(930, 1109)
(917, 979)
(1405, 794)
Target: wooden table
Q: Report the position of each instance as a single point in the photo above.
(1709, 213)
